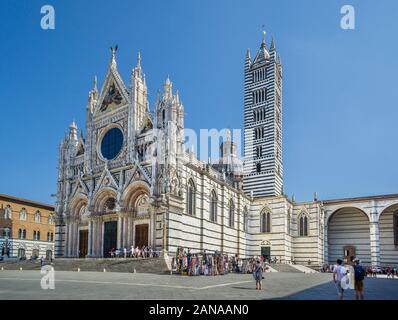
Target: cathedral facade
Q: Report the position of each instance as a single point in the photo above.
(129, 181)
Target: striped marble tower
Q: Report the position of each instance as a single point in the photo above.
(263, 123)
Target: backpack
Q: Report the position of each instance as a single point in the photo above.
(359, 273)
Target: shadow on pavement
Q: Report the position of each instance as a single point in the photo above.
(374, 289)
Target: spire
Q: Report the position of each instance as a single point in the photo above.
(228, 138)
(177, 97)
(248, 54)
(113, 59)
(272, 47)
(95, 84)
(158, 96)
(73, 131)
(139, 60)
(167, 88)
(262, 53)
(263, 41)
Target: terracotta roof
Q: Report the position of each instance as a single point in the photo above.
(26, 201)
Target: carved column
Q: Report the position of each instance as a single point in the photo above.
(94, 248)
(90, 234)
(153, 230)
(74, 237)
(129, 242)
(119, 230)
(125, 231)
(66, 238)
(70, 236)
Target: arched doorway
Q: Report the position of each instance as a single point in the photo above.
(137, 203)
(78, 243)
(388, 228)
(49, 254)
(21, 253)
(35, 253)
(110, 227)
(348, 236)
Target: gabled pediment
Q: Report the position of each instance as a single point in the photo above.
(106, 180)
(80, 187)
(135, 174)
(113, 94)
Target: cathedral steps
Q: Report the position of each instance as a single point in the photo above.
(282, 267)
(150, 265)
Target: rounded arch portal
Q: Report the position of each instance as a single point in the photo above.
(388, 229)
(348, 233)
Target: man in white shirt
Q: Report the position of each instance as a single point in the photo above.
(338, 274)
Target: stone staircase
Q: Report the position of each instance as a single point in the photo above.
(149, 265)
(282, 267)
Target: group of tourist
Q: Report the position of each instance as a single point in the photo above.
(188, 263)
(137, 252)
(390, 272)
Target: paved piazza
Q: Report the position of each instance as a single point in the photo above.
(96, 285)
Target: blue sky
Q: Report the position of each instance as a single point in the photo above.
(340, 87)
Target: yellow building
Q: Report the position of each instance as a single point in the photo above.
(27, 228)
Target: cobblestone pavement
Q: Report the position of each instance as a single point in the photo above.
(96, 285)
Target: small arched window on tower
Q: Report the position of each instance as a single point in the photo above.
(258, 167)
(231, 214)
(213, 207)
(303, 225)
(265, 222)
(259, 151)
(191, 203)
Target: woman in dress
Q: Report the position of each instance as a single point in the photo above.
(258, 275)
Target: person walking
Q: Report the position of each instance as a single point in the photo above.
(258, 275)
(338, 273)
(360, 273)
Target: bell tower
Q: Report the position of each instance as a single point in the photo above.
(263, 168)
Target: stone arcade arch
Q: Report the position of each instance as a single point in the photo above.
(75, 220)
(103, 228)
(388, 228)
(137, 222)
(348, 232)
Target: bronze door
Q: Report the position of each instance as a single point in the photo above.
(110, 238)
(83, 243)
(349, 254)
(141, 235)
